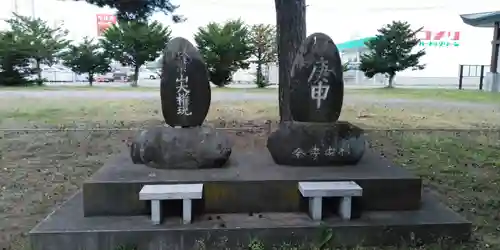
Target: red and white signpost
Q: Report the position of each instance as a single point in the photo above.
(104, 21)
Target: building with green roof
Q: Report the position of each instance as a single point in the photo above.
(352, 50)
(489, 19)
(451, 50)
(353, 44)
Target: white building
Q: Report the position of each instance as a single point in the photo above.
(448, 43)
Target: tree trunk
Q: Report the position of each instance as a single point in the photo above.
(91, 79)
(136, 77)
(259, 71)
(391, 79)
(291, 32)
(38, 73)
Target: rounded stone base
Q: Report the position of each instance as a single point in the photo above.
(317, 144)
(181, 148)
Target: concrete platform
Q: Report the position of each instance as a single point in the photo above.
(67, 229)
(252, 182)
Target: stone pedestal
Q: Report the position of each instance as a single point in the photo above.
(492, 82)
(316, 144)
(252, 198)
(181, 148)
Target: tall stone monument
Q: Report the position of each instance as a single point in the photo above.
(183, 142)
(315, 137)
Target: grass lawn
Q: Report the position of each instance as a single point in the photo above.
(45, 157)
(433, 94)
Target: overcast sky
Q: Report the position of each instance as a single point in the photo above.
(342, 20)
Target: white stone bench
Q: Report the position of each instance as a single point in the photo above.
(184, 192)
(315, 191)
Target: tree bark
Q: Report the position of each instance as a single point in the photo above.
(259, 69)
(259, 75)
(291, 32)
(391, 79)
(38, 72)
(91, 78)
(136, 76)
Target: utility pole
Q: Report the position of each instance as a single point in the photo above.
(15, 6)
(33, 9)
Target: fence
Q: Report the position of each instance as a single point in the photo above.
(62, 76)
(469, 77)
(471, 72)
(469, 80)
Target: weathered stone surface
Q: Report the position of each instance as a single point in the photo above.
(317, 86)
(67, 229)
(250, 182)
(316, 144)
(185, 89)
(181, 148)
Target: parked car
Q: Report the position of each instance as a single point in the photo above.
(145, 74)
(81, 77)
(108, 77)
(119, 75)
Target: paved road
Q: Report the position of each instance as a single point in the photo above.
(236, 96)
(401, 82)
(156, 84)
(217, 96)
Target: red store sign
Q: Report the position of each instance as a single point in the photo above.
(104, 21)
(439, 38)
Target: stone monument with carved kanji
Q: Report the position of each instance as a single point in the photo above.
(315, 137)
(183, 142)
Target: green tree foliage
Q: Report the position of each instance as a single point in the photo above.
(45, 43)
(15, 55)
(225, 49)
(391, 51)
(139, 10)
(86, 58)
(345, 67)
(134, 43)
(264, 49)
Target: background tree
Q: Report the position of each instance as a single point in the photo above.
(139, 10)
(346, 67)
(225, 49)
(391, 51)
(264, 49)
(134, 43)
(86, 58)
(291, 29)
(15, 55)
(45, 43)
